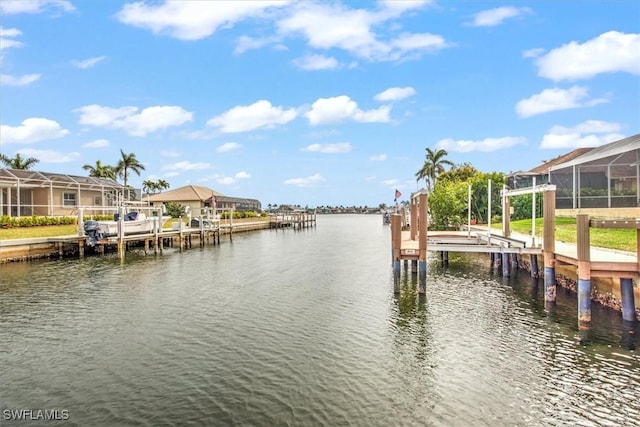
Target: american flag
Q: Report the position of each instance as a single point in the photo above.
(398, 194)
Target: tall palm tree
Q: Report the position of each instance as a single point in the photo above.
(433, 166)
(100, 170)
(126, 163)
(18, 162)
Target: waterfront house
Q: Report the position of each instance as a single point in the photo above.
(600, 181)
(28, 192)
(198, 198)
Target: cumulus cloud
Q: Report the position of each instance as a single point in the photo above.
(50, 156)
(26, 79)
(89, 62)
(341, 147)
(316, 62)
(98, 143)
(497, 16)
(228, 146)
(591, 133)
(378, 158)
(186, 166)
(323, 25)
(35, 6)
(309, 181)
(395, 94)
(242, 175)
(484, 145)
(258, 115)
(31, 130)
(334, 26)
(192, 20)
(610, 52)
(128, 119)
(556, 99)
(342, 108)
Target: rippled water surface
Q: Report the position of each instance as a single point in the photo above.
(303, 328)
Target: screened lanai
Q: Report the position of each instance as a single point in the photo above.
(604, 177)
(26, 192)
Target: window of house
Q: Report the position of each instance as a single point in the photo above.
(69, 199)
(97, 201)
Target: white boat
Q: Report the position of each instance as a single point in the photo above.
(134, 223)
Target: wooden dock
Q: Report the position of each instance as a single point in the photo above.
(504, 249)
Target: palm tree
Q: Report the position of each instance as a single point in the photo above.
(126, 163)
(161, 184)
(100, 170)
(433, 166)
(149, 186)
(18, 162)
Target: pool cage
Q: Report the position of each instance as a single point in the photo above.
(604, 177)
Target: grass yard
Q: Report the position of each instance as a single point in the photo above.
(624, 240)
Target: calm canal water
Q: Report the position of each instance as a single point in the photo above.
(303, 328)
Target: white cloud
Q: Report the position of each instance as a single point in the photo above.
(245, 43)
(395, 94)
(591, 133)
(192, 20)
(34, 6)
(608, 53)
(149, 120)
(186, 166)
(378, 158)
(6, 38)
(493, 17)
(556, 99)
(341, 147)
(31, 130)
(228, 146)
(484, 145)
(342, 108)
(89, 62)
(316, 62)
(334, 26)
(242, 175)
(391, 182)
(26, 79)
(309, 181)
(261, 114)
(98, 143)
(50, 156)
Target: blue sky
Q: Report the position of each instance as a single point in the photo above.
(314, 103)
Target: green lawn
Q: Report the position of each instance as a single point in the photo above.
(624, 240)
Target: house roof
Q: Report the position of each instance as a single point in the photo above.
(36, 178)
(546, 166)
(624, 151)
(187, 193)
